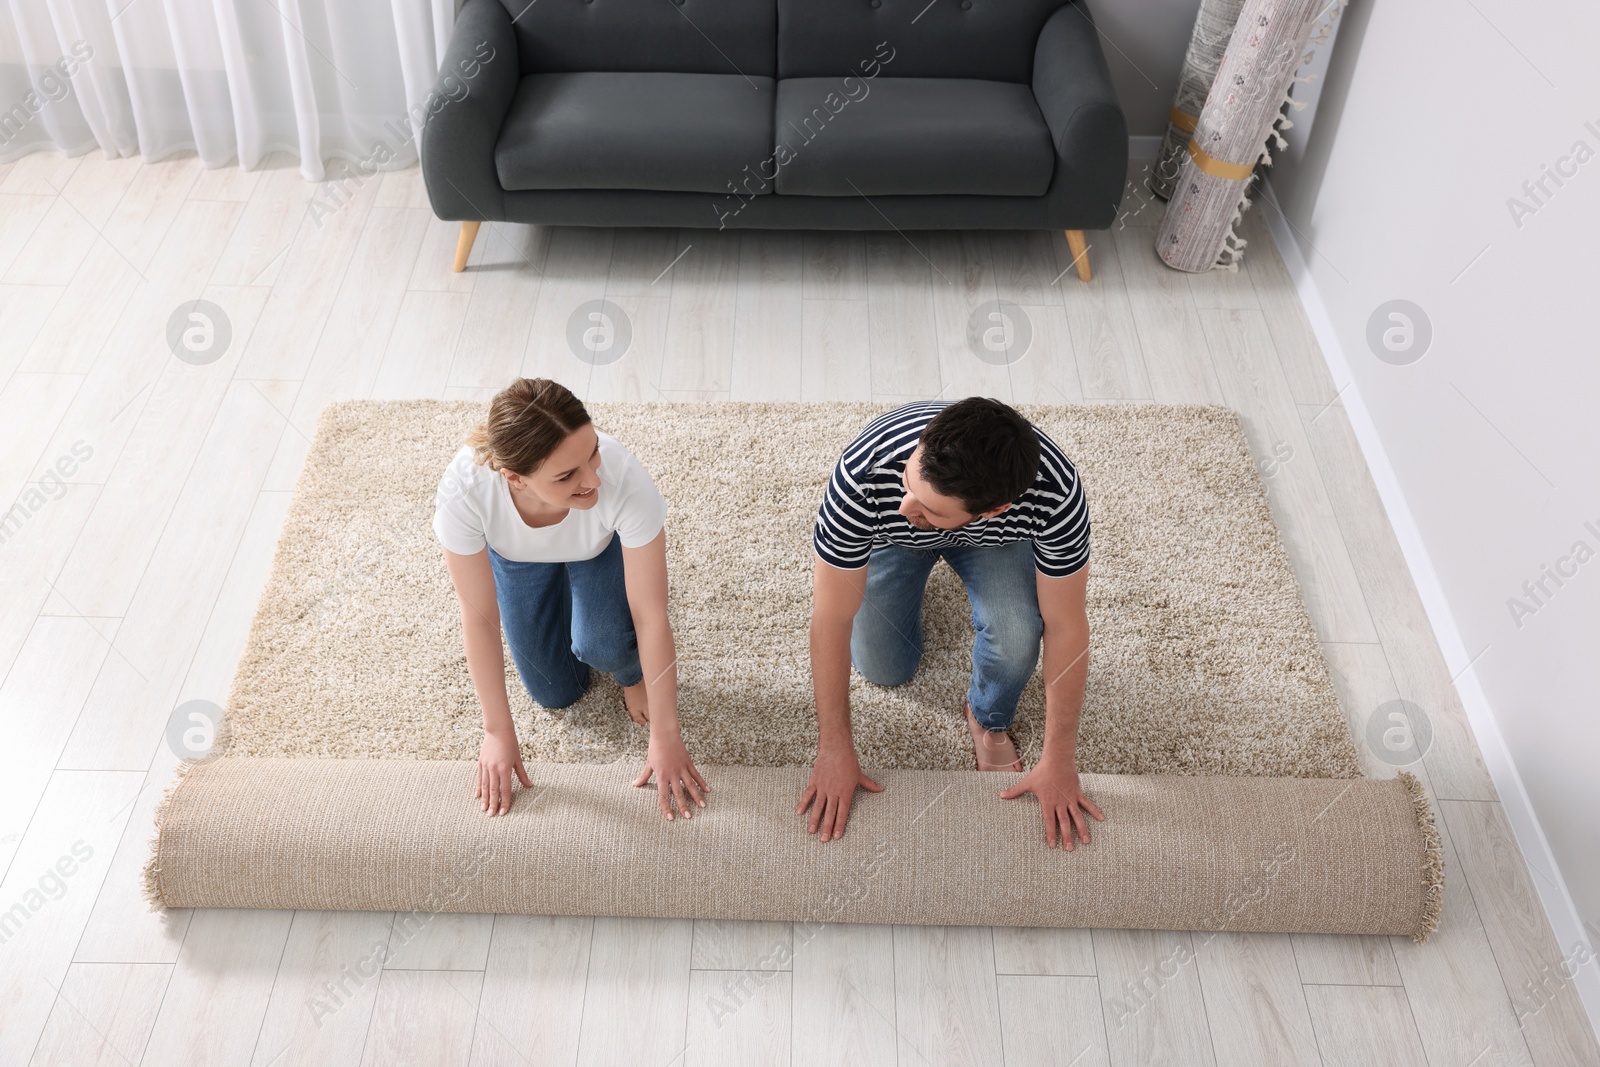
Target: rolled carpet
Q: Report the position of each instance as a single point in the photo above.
(1235, 129)
(343, 764)
(937, 847)
(1213, 27)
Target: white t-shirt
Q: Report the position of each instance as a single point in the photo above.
(473, 507)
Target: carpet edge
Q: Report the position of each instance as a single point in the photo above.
(150, 873)
(1432, 858)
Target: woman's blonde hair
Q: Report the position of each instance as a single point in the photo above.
(528, 420)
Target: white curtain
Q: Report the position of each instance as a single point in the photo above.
(230, 80)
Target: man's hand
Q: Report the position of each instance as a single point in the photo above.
(499, 760)
(1062, 801)
(674, 771)
(832, 787)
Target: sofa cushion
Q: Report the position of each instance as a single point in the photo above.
(988, 39)
(677, 36)
(910, 137)
(691, 133)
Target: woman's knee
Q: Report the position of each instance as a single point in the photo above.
(613, 653)
(885, 674)
(553, 694)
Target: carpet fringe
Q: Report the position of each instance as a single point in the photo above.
(1231, 253)
(1433, 858)
(151, 875)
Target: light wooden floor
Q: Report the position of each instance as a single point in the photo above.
(131, 588)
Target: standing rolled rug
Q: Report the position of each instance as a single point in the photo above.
(1242, 112)
(1213, 27)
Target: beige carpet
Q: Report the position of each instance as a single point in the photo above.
(936, 847)
(1231, 806)
(1204, 660)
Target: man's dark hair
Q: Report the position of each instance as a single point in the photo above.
(981, 452)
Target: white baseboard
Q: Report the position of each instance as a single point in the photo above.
(1552, 888)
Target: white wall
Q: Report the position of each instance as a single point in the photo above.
(1434, 114)
(1144, 42)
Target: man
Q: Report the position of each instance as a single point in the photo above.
(977, 484)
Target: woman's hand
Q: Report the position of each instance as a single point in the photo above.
(674, 772)
(498, 759)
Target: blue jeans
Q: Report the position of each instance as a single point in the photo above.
(561, 619)
(886, 638)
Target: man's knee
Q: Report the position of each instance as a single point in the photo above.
(1014, 637)
(885, 666)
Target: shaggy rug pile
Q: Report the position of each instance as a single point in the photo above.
(1204, 659)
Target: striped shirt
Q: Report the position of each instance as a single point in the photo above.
(860, 509)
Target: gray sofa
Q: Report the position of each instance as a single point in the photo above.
(776, 114)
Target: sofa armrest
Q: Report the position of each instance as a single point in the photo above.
(1072, 85)
(477, 80)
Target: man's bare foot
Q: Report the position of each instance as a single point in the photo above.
(994, 749)
(638, 704)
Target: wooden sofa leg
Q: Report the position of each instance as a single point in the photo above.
(1080, 253)
(469, 233)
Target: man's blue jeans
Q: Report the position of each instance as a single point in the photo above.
(886, 639)
(561, 619)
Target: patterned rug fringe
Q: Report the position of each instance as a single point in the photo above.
(1233, 245)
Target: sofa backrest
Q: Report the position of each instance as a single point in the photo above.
(670, 36)
(989, 39)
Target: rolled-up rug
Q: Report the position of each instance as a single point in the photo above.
(1231, 135)
(1213, 27)
(1288, 855)
(342, 770)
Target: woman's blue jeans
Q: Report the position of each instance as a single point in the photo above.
(886, 638)
(560, 619)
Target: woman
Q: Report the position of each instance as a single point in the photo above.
(555, 531)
